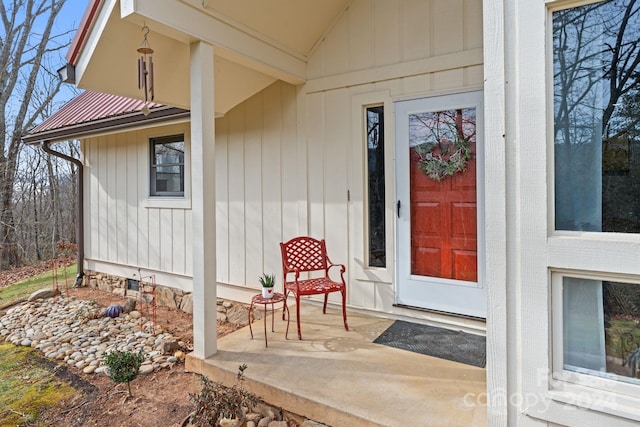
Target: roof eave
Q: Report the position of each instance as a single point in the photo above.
(83, 30)
(110, 124)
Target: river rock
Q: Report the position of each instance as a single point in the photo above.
(65, 334)
(129, 305)
(168, 346)
(43, 293)
(146, 369)
(186, 304)
(238, 315)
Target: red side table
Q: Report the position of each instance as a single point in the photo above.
(258, 299)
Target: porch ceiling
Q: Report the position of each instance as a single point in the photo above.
(256, 43)
(296, 25)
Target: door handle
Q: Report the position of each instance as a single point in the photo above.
(398, 208)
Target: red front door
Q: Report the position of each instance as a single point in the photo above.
(437, 154)
(443, 212)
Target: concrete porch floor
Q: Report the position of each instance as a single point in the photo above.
(341, 378)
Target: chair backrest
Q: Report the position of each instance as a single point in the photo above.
(303, 254)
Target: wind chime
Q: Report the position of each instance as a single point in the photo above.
(145, 70)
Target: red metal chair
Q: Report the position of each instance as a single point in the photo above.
(306, 254)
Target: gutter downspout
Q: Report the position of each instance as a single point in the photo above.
(80, 200)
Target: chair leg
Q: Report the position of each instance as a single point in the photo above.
(344, 309)
(324, 307)
(284, 307)
(298, 315)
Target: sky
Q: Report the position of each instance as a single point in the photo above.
(68, 19)
(66, 24)
(71, 14)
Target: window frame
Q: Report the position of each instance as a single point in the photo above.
(153, 142)
(359, 190)
(144, 176)
(367, 183)
(551, 7)
(578, 388)
(566, 253)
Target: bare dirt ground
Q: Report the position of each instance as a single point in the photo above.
(159, 399)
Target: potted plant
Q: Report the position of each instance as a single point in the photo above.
(267, 281)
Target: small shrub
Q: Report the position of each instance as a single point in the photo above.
(215, 401)
(124, 366)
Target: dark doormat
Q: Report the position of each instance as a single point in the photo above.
(437, 342)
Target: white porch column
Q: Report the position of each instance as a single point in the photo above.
(203, 200)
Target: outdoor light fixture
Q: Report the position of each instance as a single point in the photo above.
(145, 68)
(67, 74)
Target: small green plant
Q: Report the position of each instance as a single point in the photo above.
(215, 401)
(267, 280)
(124, 366)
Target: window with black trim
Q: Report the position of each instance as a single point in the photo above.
(167, 166)
(376, 187)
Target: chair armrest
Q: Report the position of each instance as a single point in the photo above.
(342, 270)
(342, 267)
(296, 276)
(332, 264)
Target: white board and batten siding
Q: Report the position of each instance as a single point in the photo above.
(378, 52)
(258, 188)
(124, 229)
(287, 157)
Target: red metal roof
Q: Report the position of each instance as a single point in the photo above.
(91, 112)
(91, 106)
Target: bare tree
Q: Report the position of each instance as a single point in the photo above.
(594, 44)
(44, 202)
(596, 79)
(27, 87)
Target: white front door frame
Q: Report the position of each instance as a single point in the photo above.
(447, 295)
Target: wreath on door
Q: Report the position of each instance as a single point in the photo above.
(444, 157)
